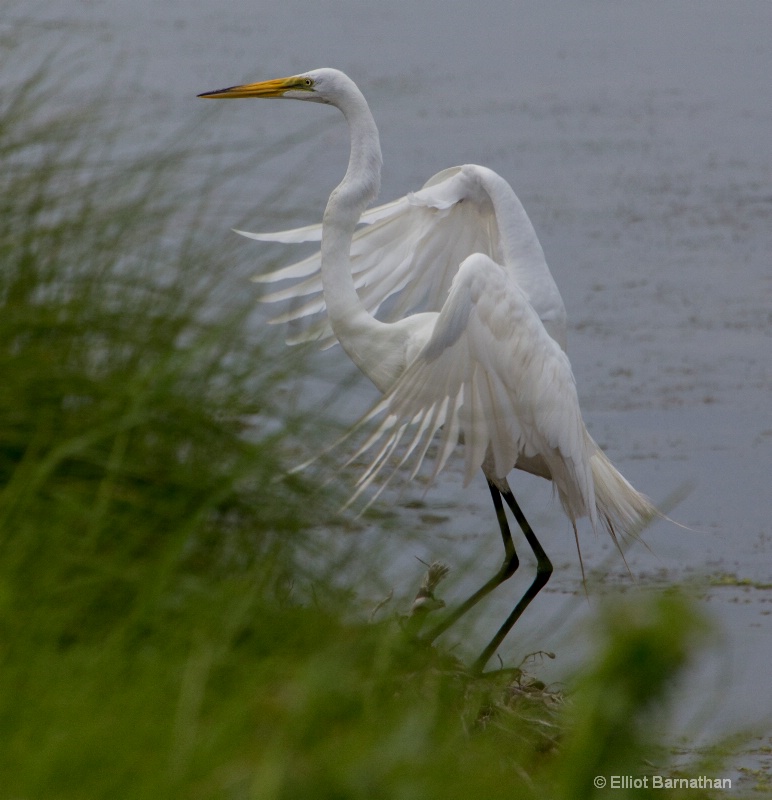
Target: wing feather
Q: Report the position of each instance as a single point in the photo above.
(408, 250)
(491, 376)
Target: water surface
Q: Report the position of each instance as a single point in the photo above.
(638, 137)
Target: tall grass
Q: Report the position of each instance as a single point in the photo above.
(151, 643)
(137, 518)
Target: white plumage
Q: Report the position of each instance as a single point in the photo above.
(412, 247)
(491, 372)
(471, 346)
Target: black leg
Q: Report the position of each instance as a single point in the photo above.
(543, 572)
(506, 570)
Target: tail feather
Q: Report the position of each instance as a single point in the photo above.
(621, 508)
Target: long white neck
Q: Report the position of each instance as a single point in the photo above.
(359, 333)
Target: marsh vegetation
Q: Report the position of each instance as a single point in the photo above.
(170, 623)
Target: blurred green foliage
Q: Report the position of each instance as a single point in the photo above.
(150, 645)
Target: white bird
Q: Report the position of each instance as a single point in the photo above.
(485, 366)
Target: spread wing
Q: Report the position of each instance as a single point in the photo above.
(491, 375)
(408, 251)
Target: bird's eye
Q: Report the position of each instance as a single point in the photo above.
(308, 82)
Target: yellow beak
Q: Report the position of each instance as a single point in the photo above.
(273, 88)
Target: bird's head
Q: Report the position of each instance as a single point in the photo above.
(318, 85)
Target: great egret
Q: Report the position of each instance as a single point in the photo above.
(486, 365)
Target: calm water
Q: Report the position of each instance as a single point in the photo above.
(638, 137)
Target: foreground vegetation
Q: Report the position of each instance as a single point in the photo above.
(168, 628)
